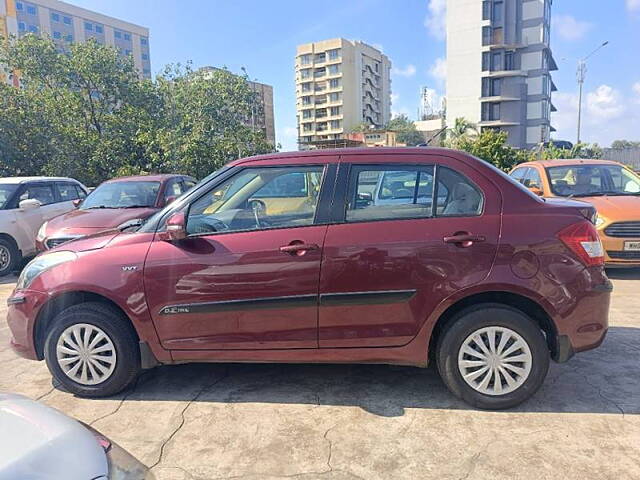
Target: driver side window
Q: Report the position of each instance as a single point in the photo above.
(258, 199)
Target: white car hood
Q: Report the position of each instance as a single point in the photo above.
(40, 443)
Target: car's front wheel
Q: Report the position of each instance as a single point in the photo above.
(493, 356)
(92, 350)
(9, 256)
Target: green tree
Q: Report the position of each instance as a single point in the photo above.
(580, 150)
(491, 146)
(86, 113)
(621, 144)
(460, 132)
(405, 130)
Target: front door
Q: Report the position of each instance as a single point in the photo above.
(402, 247)
(247, 275)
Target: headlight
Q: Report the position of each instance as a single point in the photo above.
(41, 264)
(42, 232)
(599, 221)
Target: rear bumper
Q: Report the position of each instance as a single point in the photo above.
(23, 308)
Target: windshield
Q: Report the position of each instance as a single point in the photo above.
(592, 180)
(6, 191)
(134, 194)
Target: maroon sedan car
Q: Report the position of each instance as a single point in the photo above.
(404, 256)
(115, 204)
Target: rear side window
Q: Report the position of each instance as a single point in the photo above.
(396, 192)
(518, 174)
(67, 192)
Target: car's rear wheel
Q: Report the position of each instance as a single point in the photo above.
(9, 256)
(492, 356)
(92, 350)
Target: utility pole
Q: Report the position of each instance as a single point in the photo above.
(580, 75)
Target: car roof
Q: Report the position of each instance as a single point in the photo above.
(388, 152)
(149, 178)
(36, 179)
(569, 162)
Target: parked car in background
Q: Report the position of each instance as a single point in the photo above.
(467, 277)
(611, 187)
(40, 442)
(117, 203)
(25, 203)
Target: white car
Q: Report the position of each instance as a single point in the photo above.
(25, 204)
(39, 442)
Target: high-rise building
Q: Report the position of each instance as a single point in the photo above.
(498, 67)
(340, 84)
(66, 23)
(262, 118)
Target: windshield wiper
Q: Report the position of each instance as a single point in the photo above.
(97, 206)
(136, 206)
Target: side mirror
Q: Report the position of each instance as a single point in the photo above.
(77, 202)
(29, 204)
(536, 190)
(176, 227)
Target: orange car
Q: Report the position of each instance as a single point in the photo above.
(609, 186)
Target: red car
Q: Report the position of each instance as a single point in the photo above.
(393, 255)
(115, 204)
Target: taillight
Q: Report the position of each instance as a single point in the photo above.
(582, 239)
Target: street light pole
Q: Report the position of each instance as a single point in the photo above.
(580, 75)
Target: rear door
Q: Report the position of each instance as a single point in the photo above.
(67, 193)
(399, 248)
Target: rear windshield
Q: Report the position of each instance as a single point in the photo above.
(134, 194)
(6, 192)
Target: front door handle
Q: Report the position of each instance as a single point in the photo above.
(464, 239)
(298, 248)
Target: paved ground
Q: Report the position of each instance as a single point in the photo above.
(379, 422)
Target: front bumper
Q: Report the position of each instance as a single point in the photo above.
(615, 254)
(22, 311)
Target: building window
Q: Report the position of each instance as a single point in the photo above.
(491, 87)
(497, 11)
(127, 36)
(66, 20)
(496, 61)
(305, 59)
(307, 114)
(321, 112)
(144, 41)
(19, 6)
(144, 55)
(486, 35)
(33, 28)
(498, 36)
(32, 10)
(334, 97)
(128, 52)
(55, 17)
(306, 87)
(508, 61)
(490, 111)
(334, 69)
(306, 100)
(57, 35)
(99, 29)
(334, 83)
(486, 10)
(88, 26)
(334, 54)
(117, 34)
(319, 72)
(22, 26)
(69, 38)
(335, 111)
(320, 57)
(335, 124)
(305, 73)
(486, 61)
(308, 127)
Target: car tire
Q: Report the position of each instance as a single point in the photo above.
(104, 345)
(524, 356)
(10, 256)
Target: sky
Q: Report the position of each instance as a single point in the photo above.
(261, 36)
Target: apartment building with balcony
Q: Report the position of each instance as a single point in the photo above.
(66, 23)
(340, 84)
(499, 65)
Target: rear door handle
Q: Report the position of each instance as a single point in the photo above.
(298, 248)
(464, 239)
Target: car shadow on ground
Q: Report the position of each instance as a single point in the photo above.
(600, 381)
(623, 273)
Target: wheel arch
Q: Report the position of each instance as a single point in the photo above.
(520, 302)
(63, 301)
